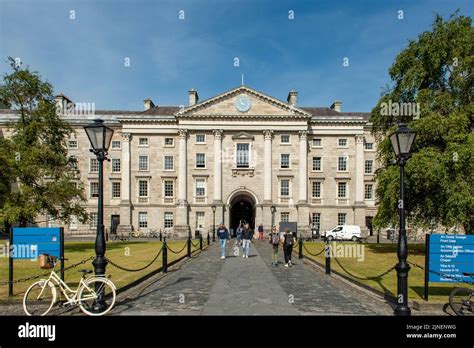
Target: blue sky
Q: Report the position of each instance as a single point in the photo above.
(84, 57)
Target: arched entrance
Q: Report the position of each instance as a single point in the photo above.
(242, 207)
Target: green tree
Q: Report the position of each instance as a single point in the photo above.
(37, 176)
(435, 71)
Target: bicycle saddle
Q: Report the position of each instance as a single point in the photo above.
(85, 271)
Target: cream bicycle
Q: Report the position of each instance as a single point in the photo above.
(95, 295)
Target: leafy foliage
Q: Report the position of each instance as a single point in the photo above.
(436, 71)
(37, 176)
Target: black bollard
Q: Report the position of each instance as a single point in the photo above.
(208, 239)
(200, 242)
(165, 256)
(213, 236)
(300, 248)
(327, 252)
(189, 245)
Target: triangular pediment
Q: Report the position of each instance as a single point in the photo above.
(243, 136)
(260, 105)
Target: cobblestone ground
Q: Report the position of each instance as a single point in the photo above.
(207, 285)
(238, 286)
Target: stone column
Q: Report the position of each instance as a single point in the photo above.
(182, 227)
(217, 166)
(359, 205)
(126, 202)
(303, 207)
(267, 180)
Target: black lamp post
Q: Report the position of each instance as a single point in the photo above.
(273, 210)
(402, 141)
(213, 222)
(100, 137)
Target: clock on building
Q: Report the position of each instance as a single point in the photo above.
(242, 103)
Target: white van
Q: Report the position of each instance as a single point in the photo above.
(343, 232)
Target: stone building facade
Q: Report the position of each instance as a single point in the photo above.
(239, 155)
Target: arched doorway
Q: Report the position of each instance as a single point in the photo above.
(242, 207)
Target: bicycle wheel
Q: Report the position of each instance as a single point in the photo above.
(97, 297)
(460, 301)
(39, 298)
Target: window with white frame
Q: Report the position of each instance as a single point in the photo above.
(285, 188)
(316, 220)
(94, 189)
(200, 138)
(369, 191)
(143, 163)
(284, 217)
(116, 189)
(369, 146)
(342, 142)
(93, 165)
(317, 142)
(342, 163)
(200, 219)
(169, 188)
(142, 219)
(143, 141)
(243, 155)
(316, 189)
(116, 145)
(116, 165)
(169, 141)
(72, 144)
(200, 187)
(341, 218)
(169, 163)
(369, 164)
(285, 139)
(200, 160)
(73, 163)
(142, 188)
(93, 220)
(317, 164)
(341, 190)
(169, 221)
(285, 161)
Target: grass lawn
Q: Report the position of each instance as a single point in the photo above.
(133, 255)
(380, 257)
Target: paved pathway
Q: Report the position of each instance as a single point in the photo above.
(207, 285)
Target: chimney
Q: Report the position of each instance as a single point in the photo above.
(148, 104)
(292, 97)
(63, 104)
(336, 106)
(193, 97)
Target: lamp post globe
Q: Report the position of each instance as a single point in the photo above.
(402, 140)
(100, 137)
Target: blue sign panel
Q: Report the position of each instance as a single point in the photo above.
(29, 242)
(450, 256)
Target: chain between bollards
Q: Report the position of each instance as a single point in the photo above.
(165, 256)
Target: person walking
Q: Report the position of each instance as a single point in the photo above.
(247, 235)
(274, 241)
(260, 231)
(288, 241)
(223, 235)
(238, 233)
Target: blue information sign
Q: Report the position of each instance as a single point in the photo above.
(450, 256)
(29, 242)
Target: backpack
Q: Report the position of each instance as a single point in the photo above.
(275, 239)
(289, 239)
